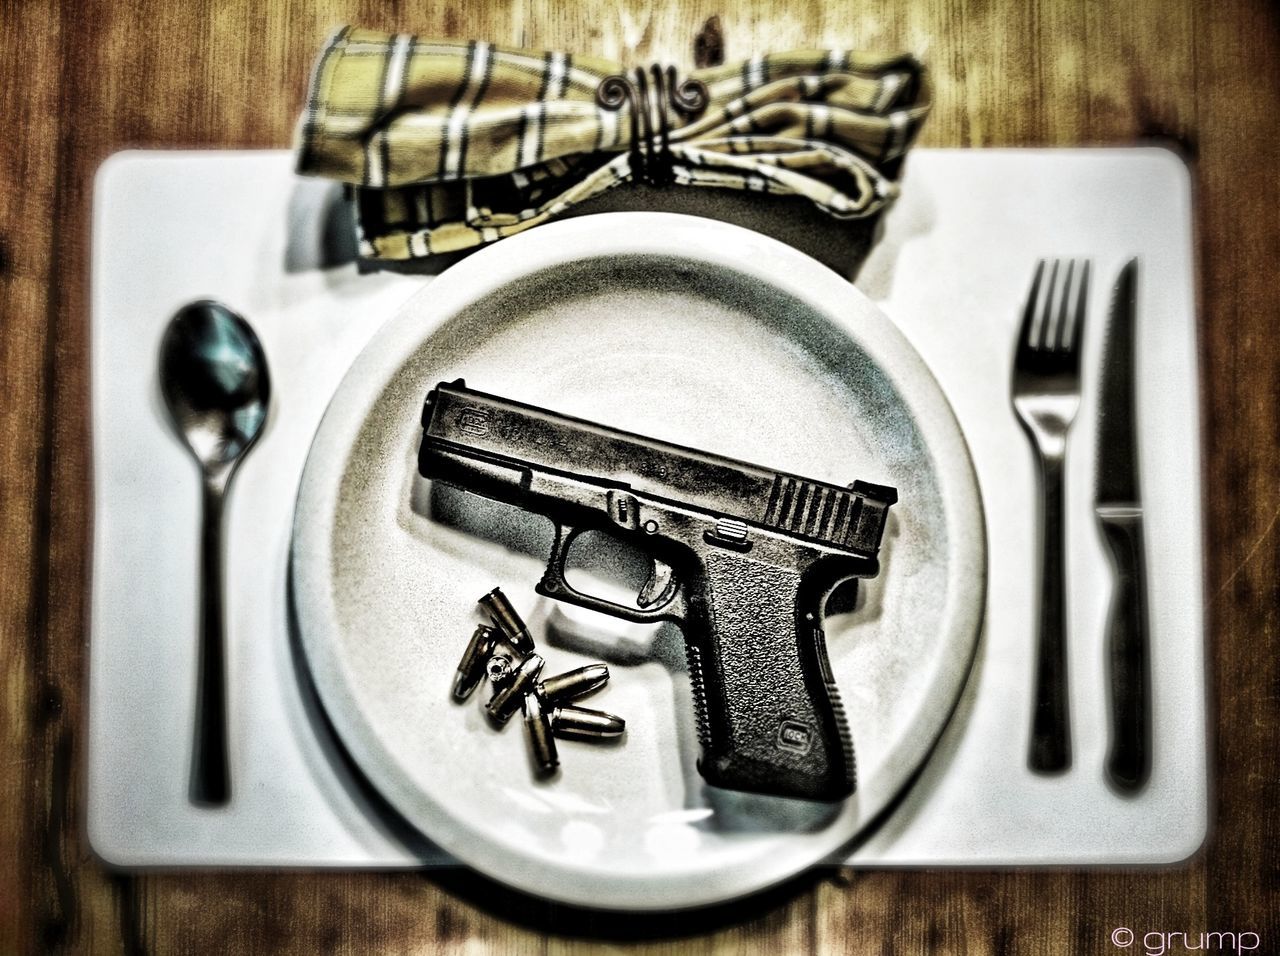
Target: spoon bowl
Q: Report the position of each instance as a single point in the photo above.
(213, 374)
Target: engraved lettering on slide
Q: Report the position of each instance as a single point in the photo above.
(474, 421)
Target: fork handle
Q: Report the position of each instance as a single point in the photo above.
(1050, 722)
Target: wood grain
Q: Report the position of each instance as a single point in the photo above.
(78, 82)
(26, 200)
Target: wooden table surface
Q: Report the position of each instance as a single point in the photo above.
(80, 82)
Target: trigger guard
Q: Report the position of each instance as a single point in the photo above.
(555, 585)
(553, 578)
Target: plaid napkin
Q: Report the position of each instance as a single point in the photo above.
(450, 144)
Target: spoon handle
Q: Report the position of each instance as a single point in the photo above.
(210, 773)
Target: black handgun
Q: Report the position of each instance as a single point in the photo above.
(744, 559)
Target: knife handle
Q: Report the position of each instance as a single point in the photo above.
(1050, 720)
(1129, 760)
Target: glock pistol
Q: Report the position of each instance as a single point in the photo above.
(744, 559)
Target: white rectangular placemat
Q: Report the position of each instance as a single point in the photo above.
(952, 269)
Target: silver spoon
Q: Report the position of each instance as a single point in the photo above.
(213, 374)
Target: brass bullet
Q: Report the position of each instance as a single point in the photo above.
(584, 723)
(541, 742)
(508, 698)
(575, 683)
(500, 667)
(474, 660)
(507, 620)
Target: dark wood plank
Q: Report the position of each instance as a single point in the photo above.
(1239, 146)
(30, 700)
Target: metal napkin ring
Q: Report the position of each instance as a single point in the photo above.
(651, 160)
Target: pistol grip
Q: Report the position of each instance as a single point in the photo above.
(769, 716)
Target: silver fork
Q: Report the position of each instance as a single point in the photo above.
(1046, 396)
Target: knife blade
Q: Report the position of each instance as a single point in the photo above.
(1118, 506)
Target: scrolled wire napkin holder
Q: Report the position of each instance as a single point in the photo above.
(651, 159)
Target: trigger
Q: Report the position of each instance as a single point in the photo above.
(657, 590)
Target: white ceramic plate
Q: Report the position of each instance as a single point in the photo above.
(691, 331)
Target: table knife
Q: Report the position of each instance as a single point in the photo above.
(1118, 505)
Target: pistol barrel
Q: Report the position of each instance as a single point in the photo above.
(491, 443)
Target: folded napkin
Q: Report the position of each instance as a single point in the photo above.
(450, 144)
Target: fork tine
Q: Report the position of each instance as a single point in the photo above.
(1062, 315)
(1029, 310)
(1075, 326)
(1044, 325)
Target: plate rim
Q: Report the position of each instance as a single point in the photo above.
(663, 235)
